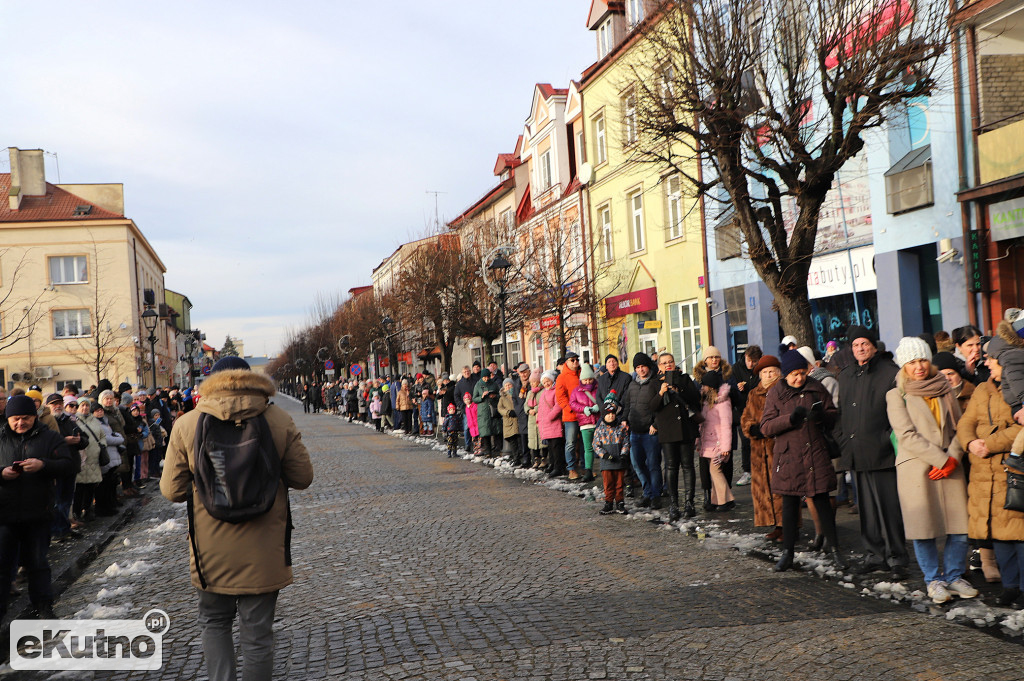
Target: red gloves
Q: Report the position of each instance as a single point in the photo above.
(944, 472)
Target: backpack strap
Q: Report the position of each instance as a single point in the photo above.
(190, 505)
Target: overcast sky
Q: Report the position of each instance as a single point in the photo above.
(270, 150)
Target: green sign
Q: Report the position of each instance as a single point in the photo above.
(976, 257)
(1006, 219)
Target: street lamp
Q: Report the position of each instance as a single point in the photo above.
(499, 268)
(345, 347)
(388, 322)
(149, 320)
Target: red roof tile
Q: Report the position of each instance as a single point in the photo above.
(57, 204)
(547, 91)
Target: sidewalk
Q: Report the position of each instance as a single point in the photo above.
(735, 530)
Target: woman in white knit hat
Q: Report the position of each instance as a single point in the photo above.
(924, 412)
(711, 360)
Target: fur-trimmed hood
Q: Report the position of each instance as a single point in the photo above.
(235, 394)
(1006, 332)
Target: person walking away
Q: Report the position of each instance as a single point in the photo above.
(585, 404)
(450, 427)
(924, 412)
(31, 457)
(863, 434)
(677, 397)
(238, 568)
(767, 506)
(644, 450)
(798, 413)
(611, 447)
(566, 382)
(715, 441)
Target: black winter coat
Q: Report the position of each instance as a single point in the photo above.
(30, 496)
(463, 386)
(68, 428)
(672, 410)
(863, 429)
(636, 405)
(801, 462)
(619, 384)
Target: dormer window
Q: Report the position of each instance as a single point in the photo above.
(604, 38)
(505, 174)
(634, 12)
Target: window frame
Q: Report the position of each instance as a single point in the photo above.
(683, 359)
(74, 257)
(637, 236)
(629, 127)
(604, 38)
(65, 311)
(674, 226)
(544, 171)
(600, 139)
(634, 12)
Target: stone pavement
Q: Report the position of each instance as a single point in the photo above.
(410, 565)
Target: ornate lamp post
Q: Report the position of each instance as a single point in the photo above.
(149, 320)
(499, 269)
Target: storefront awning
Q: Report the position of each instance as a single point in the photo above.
(631, 303)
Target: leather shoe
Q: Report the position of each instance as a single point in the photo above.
(868, 568)
(1008, 596)
(785, 562)
(688, 510)
(837, 559)
(816, 544)
(899, 573)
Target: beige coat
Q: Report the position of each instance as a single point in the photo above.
(931, 508)
(988, 418)
(249, 557)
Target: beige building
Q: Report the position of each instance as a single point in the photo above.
(75, 276)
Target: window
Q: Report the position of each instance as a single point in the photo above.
(71, 324)
(545, 169)
(76, 384)
(668, 84)
(605, 218)
(634, 12)
(736, 304)
(69, 269)
(582, 149)
(636, 204)
(604, 39)
(600, 147)
(728, 240)
(674, 212)
(684, 333)
(629, 119)
(506, 220)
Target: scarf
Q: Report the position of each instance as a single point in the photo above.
(938, 387)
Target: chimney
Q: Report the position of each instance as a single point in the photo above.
(28, 175)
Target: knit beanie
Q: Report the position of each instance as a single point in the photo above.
(944, 360)
(612, 396)
(508, 382)
(586, 371)
(856, 331)
(68, 399)
(225, 363)
(20, 405)
(807, 353)
(710, 351)
(641, 359)
(910, 348)
(610, 356)
(549, 375)
(765, 362)
(535, 375)
(34, 395)
(792, 361)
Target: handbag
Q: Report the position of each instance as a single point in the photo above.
(1014, 484)
(104, 457)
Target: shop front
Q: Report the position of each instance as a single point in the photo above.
(842, 288)
(632, 323)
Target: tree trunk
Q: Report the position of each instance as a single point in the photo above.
(795, 316)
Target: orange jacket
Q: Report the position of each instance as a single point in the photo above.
(564, 385)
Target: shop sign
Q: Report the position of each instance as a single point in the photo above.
(976, 260)
(548, 322)
(1006, 219)
(630, 303)
(830, 274)
(512, 338)
(656, 324)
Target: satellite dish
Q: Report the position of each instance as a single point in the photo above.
(585, 174)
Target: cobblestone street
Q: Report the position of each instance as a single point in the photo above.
(409, 565)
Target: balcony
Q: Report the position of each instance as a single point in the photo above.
(1001, 151)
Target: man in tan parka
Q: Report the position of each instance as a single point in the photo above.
(243, 565)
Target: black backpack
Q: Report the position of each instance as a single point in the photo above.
(237, 468)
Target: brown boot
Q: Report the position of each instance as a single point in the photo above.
(988, 565)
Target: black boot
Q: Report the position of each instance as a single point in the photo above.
(837, 558)
(708, 506)
(689, 487)
(785, 562)
(688, 510)
(819, 540)
(673, 512)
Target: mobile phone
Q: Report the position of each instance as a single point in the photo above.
(816, 405)
(17, 467)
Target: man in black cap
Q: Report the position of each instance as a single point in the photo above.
(863, 434)
(644, 449)
(613, 379)
(31, 456)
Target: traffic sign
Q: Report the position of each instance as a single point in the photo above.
(329, 372)
(329, 365)
(355, 369)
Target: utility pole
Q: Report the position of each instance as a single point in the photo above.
(437, 220)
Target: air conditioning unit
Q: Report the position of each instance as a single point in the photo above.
(43, 373)
(909, 190)
(23, 377)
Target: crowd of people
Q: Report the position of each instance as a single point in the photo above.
(68, 458)
(920, 443)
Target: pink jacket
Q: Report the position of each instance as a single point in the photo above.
(474, 429)
(580, 399)
(716, 431)
(549, 416)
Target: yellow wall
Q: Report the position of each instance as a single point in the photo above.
(671, 264)
(120, 266)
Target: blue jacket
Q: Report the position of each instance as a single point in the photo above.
(427, 411)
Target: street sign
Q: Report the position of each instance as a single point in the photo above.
(329, 372)
(329, 365)
(206, 371)
(355, 369)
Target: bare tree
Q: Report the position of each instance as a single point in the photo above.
(770, 100)
(19, 314)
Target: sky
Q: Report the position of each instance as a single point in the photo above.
(273, 152)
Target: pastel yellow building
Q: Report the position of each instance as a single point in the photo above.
(646, 226)
(74, 275)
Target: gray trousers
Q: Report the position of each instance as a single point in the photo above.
(255, 632)
(881, 520)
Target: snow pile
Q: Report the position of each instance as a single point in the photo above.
(135, 567)
(1014, 623)
(169, 525)
(112, 593)
(95, 611)
(974, 610)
